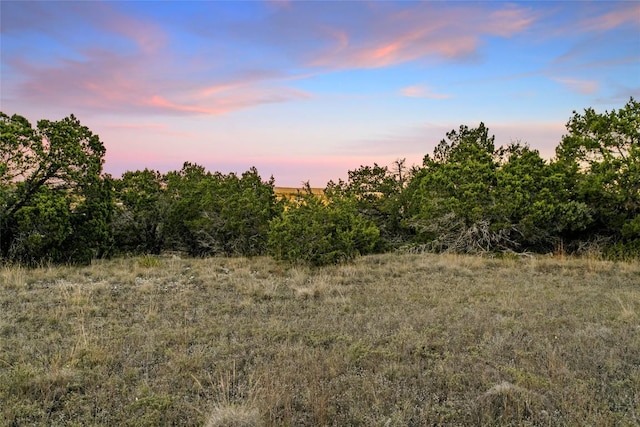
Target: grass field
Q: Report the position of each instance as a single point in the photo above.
(290, 192)
(391, 340)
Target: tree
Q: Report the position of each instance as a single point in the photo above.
(40, 229)
(138, 217)
(532, 199)
(60, 160)
(250, 206)
(63, 153)
(91, 222)
(218, 214)
(375, 191)
(313, 231)
(600, 155)
(453, 195)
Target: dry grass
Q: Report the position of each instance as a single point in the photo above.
(294, 191)
(391, 340)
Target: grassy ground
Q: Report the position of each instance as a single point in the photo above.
(391, 340)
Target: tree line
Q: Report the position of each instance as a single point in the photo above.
(468, 196)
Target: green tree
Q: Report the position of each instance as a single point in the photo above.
(250, 205)
(600, 155)
(312, 230)
(138, 217)
(61, 160)
(532, 199)
(453, 195)
(91, 220)
(376, 193)
(40, 229)
(216, 213)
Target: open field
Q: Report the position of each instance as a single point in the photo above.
(391, 340)
(293, 191)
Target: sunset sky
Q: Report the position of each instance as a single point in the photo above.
(310, 90)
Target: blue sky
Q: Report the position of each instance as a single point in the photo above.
(310, 90)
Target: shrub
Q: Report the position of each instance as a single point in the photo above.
(321, 233)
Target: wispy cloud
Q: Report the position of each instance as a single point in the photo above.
(423, 31)
(625, 13)
(128, 62)
(421, 91)
(585, 87)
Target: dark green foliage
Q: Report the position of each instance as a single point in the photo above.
(249, 211)
(454, 198)
(376, 192)
(532, 198)
(138, 214)
(55, 205)
(40, 229)
(321, 233)
(600, 155)
(91, 219)
(206, 214)
(468, 196)
(473, 197)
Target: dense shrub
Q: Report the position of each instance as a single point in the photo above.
(321, 233)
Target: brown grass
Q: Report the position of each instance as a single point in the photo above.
(292, 192)
(391, 340)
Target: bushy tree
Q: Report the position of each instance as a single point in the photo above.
(376, 192)
(454, 195)
(57, 164)
(91, 221)
(320, 232)
(218, 214)
(600, 155)
(533, 200)
(250, 206)
(40, 229)
(138, 217)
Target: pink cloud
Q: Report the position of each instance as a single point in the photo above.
(622, 15)
(420, 91)
(512, 20)
(585, 87)
(164, 104)
(424, 31)
(126, 80)
(136, 126)
(119, 83)
(147, 36)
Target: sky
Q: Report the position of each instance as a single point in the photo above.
(306, 91)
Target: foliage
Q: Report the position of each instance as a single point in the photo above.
(468, 196)
(601, 156)
(55, 204)
(471, 196)
(40, 229)
(217, 214)
(454, 198)
(376, 192)
(91, 219)
(320, 233)
(137, 223)
(532, 198)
